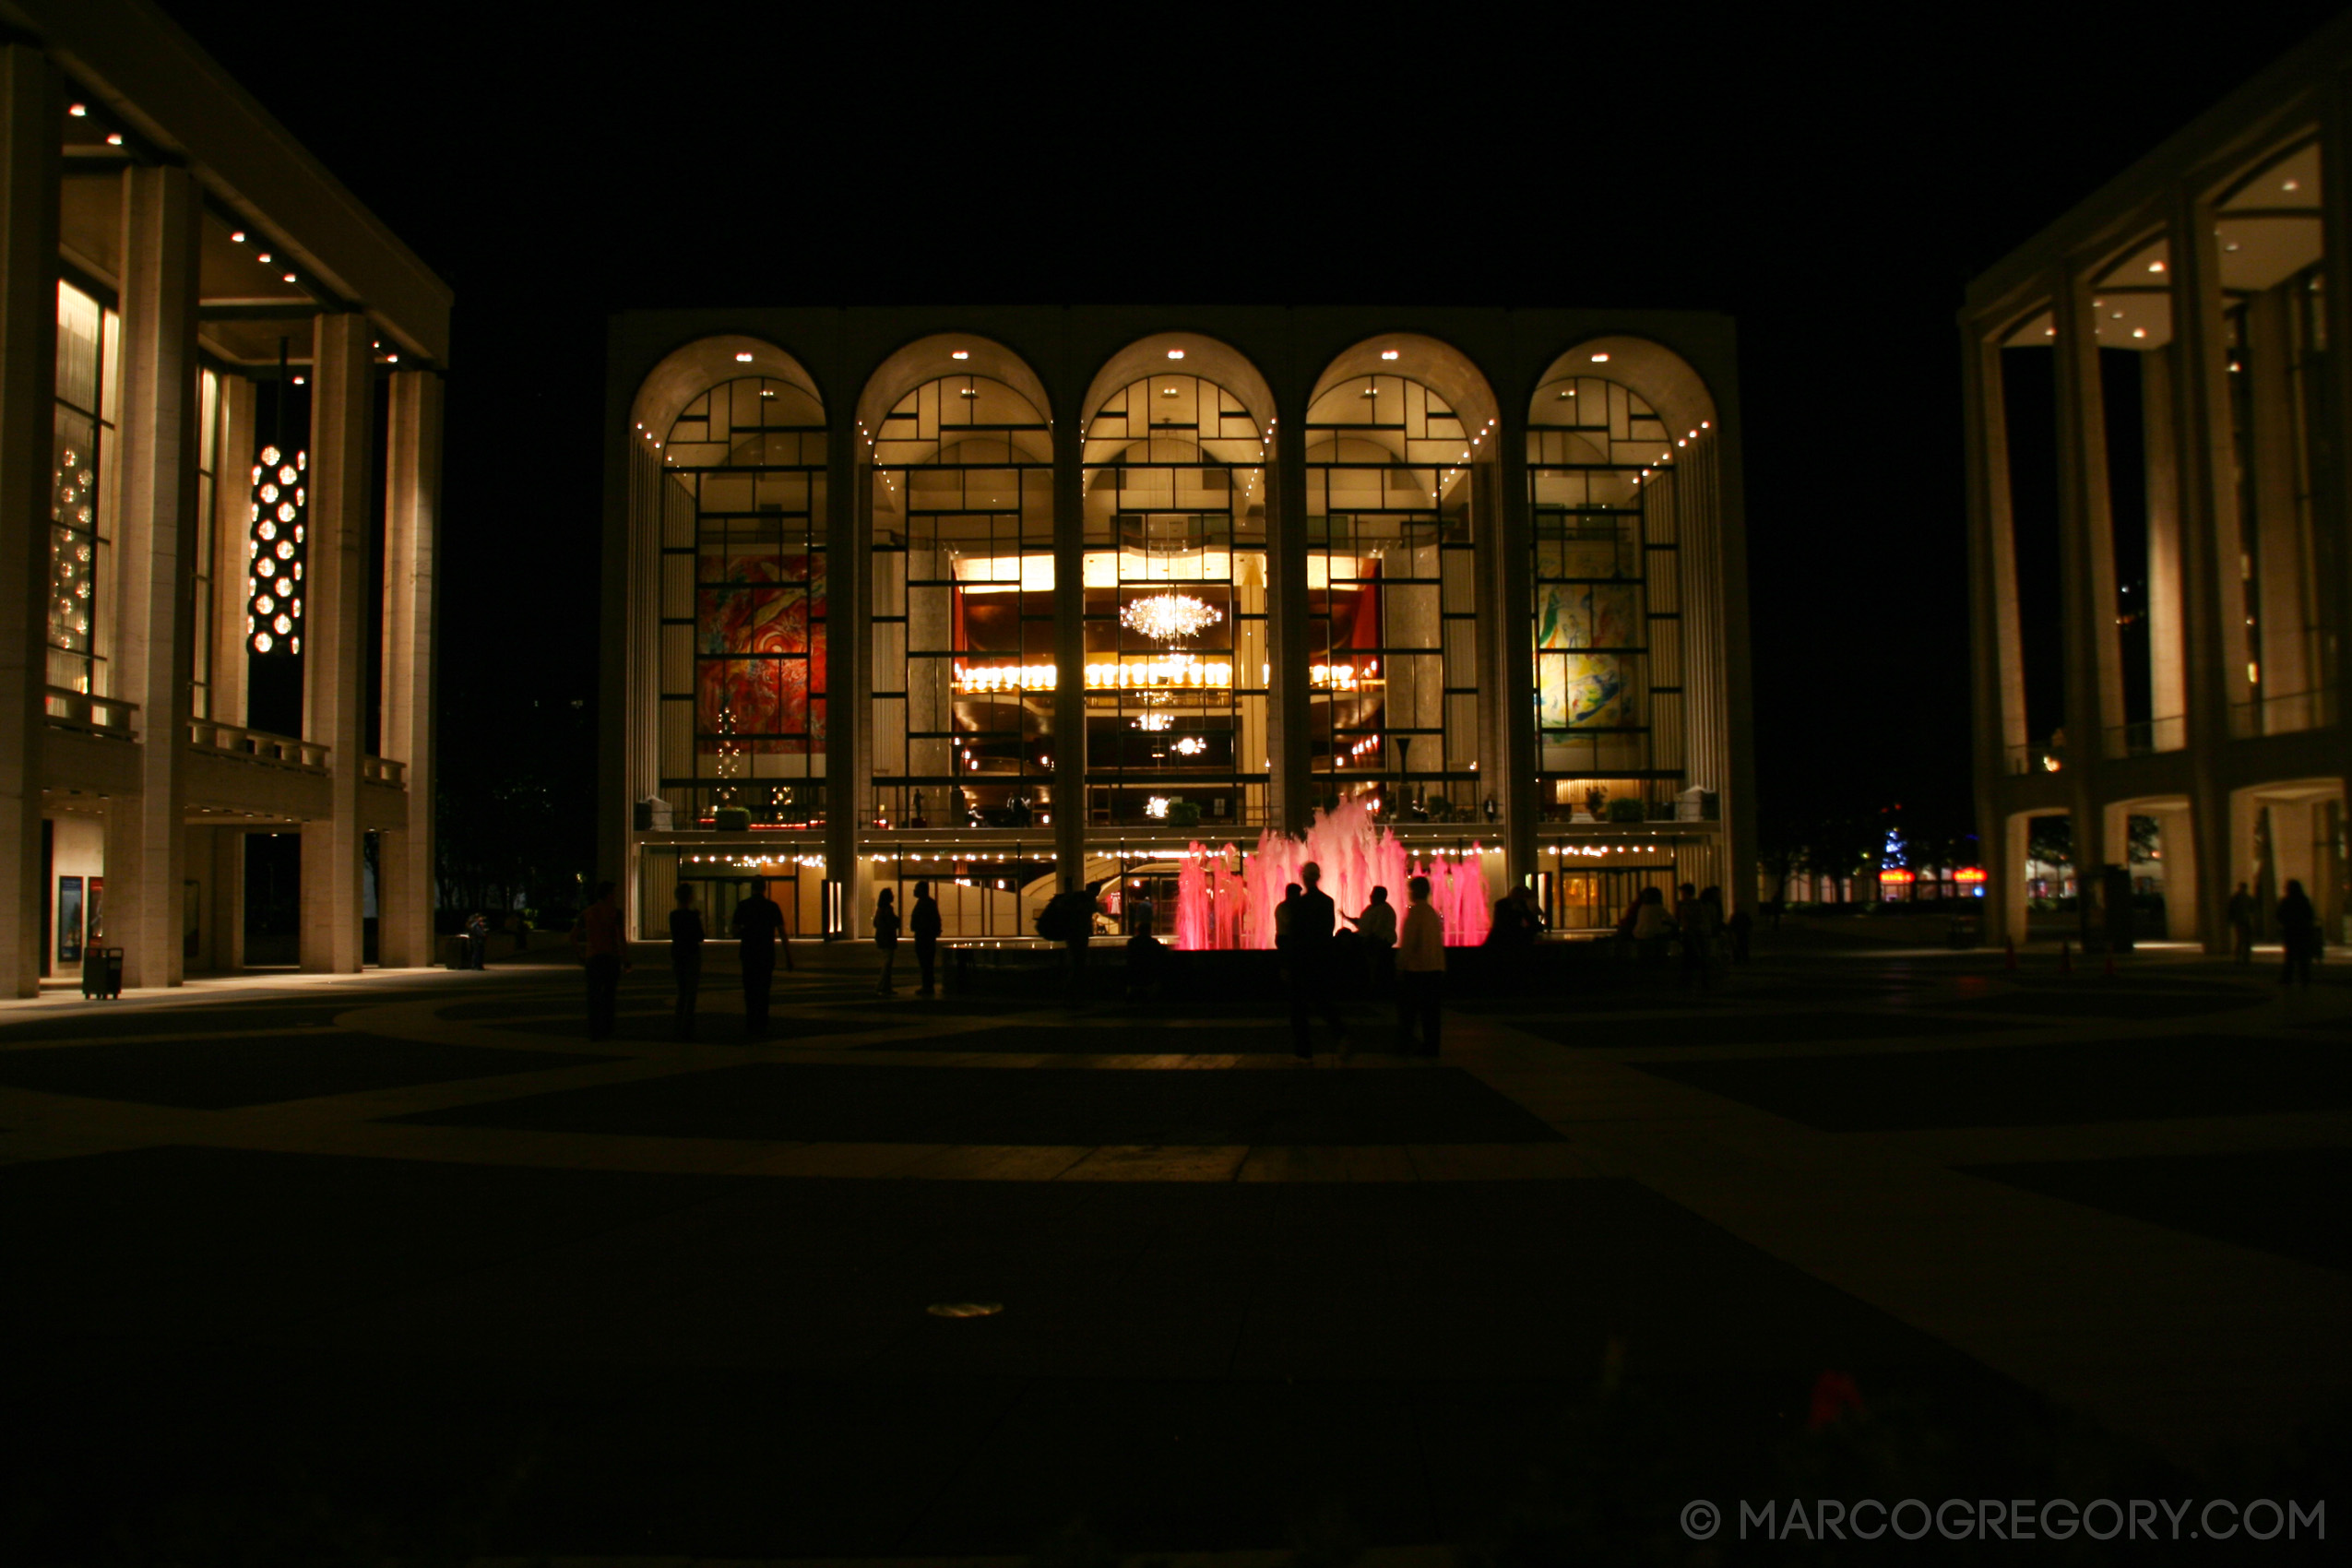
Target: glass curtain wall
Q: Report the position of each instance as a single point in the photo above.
(962, 498)
(744, 599)
(1607, 618)
(1392, 602)
(1176, 654)
(2270, 242)
(82, 493)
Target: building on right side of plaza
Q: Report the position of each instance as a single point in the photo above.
(2157, 513)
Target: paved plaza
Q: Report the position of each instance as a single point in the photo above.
(404, 1265)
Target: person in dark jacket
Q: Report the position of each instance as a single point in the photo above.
(885, 936)
(685, 957)
(1311, 956)
(2298, 926)
(758, 923)
(923, 924)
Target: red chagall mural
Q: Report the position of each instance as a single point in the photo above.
(751, 606)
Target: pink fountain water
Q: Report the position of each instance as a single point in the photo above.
(1219, 907)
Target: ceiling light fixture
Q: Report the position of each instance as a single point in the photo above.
(1388, 353)
(1175, 353)
(743, 358)
(1168, 617)
(78, 110)
(114, 139)
(1600, 359)
(960, 354)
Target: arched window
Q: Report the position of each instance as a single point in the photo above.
(962, 499)
(1175, 598)
(744, 594)
(1605, 497)
(1391, 601)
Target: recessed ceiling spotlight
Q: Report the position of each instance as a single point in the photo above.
(289, 277)
(1600, 359)
(1388, 353)
(78, 110)
(743, 359)
(236, 236)
(114, 139)
(2290, 185)
(961, 354)
(2156, 267)
(1175, 353)
(263, 257)
(2139, 332)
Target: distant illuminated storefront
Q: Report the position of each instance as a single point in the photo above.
(1006, 600)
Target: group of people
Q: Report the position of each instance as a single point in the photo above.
(1695, 926)
(2298, 930)
(1405, 958)
(759, 930)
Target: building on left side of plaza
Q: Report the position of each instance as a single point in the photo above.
(219, 469)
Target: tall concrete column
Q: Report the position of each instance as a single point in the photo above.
(2167, 646)
(1070, 802)
(333, 627)
(1996, 650)
(156, 465)
(412, 537)
(231, 535)
(31, 114)
(848, 516)
(2334, 507)
(2210, 578)
(1290, 793)
(2086, 571)
(1511, 663)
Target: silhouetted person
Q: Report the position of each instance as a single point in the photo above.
(1377, 926)
(2298, 929)
(1313, 921)
(2241, 918)
(598, 938)
(1711, 927)
(1690, 922)
(758, 923)
(1652, 925)
(685, 957)
(1420, 969)
(1741, 925)
(885, 936)
(1140, 913)
(476, 940)
(1068, 919)
(922, 923)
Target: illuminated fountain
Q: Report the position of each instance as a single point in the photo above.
(1226, 899)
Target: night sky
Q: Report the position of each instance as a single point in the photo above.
(1827, 179)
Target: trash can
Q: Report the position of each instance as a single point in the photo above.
(102, 972)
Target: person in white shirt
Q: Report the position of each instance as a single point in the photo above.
(1420, 969)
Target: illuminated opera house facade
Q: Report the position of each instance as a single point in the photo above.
(1008, 598)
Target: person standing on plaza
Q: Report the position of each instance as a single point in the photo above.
(924, 923)
(685, 957)
(1690, 922)
(758, 923)
(2298, 929)
(1377, 925)
(1420, 971)
(885, 936)
(598, 940)
(2241, 918)
(477, 941)
(1313, 921)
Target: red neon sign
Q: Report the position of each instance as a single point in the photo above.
(1969, 876)
(1895, 876)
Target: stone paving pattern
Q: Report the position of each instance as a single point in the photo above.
(407, 1259)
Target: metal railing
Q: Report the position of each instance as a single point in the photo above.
(70, 709)
(2283, 713)
(257, 745)
(2146, 737)
(2030, 760)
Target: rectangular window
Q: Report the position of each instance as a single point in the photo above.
(82, 490)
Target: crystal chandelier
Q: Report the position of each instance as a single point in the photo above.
(1168, 617)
